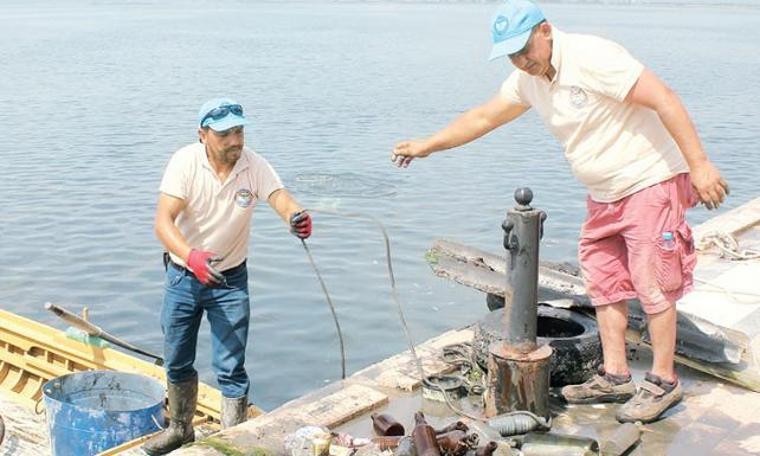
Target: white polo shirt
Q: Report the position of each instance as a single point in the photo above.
(217, 217)
(614, 148)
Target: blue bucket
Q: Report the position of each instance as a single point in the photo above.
(90, 412)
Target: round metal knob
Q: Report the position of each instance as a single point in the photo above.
(523, 196)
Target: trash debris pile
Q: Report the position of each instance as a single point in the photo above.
(457, 438)
(391, 438)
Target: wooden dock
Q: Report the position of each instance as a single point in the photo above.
(715, 417)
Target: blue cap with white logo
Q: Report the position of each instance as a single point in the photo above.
(511, 26)
(221, 114)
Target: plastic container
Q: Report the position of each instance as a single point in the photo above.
(89, 412)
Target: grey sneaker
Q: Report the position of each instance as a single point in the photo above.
(599, 388)
(654, 397)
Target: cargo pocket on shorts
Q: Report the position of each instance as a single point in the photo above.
(687, 250)
(668, 267)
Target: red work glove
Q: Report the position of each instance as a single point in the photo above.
(300, 224)
(200, 263)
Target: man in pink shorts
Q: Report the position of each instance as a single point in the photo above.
(630, 141)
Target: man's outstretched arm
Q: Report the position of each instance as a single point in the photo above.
(289, 210)
(466, 128)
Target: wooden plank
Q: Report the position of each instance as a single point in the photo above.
(700, 344)
(732, 222)
(208, 428)
(348, 403)
(400, 372)
(486, 272)
(744, 374)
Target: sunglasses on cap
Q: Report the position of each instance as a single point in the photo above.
(222, 112)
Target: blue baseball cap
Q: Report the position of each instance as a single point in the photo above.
(511, 26)
(221, 114)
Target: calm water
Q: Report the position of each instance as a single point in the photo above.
(95, 97)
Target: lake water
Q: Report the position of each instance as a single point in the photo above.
(96, 96)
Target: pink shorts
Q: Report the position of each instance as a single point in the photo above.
(621, 251)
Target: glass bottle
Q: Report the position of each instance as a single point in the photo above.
(424, 437)
(385, 425)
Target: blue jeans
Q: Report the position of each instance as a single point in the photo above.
(228, 311)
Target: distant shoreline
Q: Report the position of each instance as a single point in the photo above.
(751, 3)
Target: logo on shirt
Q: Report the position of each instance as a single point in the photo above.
(243, 198)
(578, 97)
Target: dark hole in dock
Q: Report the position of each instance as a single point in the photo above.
(555, 327)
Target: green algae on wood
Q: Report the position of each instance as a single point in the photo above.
(228, 449)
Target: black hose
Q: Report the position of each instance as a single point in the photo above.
(507, 424)
(394, 291)
(332, 309)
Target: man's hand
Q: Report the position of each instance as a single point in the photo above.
(710, 187)
(300, 224)
(200, 263)
(406, 151)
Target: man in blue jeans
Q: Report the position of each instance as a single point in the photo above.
(203, 219)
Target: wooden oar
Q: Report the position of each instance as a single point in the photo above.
(96, 331)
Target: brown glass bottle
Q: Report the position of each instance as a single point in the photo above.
(424, 437)
(486, 450)
(455, 426)
(385, 424)
(453, 442)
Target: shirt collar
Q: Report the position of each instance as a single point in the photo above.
(241, 165)
(556, 60)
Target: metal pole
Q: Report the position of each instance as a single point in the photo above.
(522, 232)
(518, 370)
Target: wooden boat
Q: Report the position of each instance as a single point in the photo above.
(32, 353)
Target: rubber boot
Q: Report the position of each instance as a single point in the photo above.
(183, 398)
(234, 411)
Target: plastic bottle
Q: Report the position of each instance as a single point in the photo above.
(668, 241)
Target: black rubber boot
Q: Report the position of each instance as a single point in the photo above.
(183, 398)
(234, 411)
